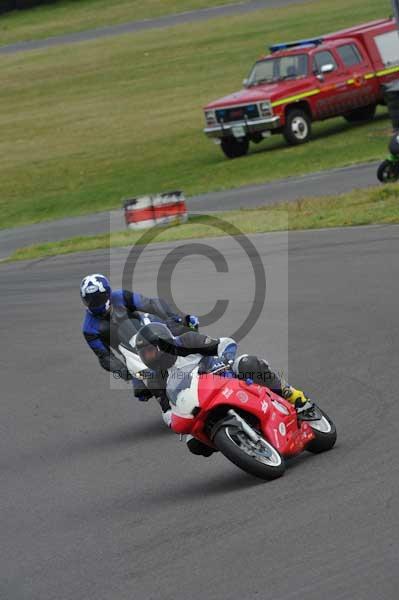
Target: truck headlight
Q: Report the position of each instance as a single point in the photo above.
(210, 117)
(266, 108)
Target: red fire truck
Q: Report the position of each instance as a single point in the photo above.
(341, 73)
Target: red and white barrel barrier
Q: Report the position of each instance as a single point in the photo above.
(160, 209)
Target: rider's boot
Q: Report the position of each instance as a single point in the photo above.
(199, 448)
(167, 417)
(166, 411)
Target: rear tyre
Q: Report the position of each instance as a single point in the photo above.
(388, 172)
(325, 434)
(298, 127)
(233, 148)
(260, 460)
(361, 115)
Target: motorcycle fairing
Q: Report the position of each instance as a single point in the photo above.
(277, 417)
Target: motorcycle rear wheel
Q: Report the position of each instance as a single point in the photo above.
(260, 460)
(325, 434)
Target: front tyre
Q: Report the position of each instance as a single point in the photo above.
(234, 148)
(298, 127)
(388, 172)
(325, 434)
(259, 459)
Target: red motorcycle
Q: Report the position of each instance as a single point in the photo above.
(252, 426)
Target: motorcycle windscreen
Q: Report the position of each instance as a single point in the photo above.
(182, 389)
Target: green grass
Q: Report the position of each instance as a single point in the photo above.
(83, 126)
(78, 15)
(376, 205)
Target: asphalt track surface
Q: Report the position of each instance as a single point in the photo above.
(323, 183)
(100, 501)
(158, 23)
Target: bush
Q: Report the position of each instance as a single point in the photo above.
(8, 5)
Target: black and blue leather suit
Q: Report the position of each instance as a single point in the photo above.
(104, 333)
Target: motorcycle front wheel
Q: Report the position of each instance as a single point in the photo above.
(259, 459)
(388, 172)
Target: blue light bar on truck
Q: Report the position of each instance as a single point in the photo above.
(297, 44)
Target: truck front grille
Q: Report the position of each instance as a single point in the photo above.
(237, 113)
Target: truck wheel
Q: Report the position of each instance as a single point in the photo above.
(234, 148)
(298, 127)
(361, 115)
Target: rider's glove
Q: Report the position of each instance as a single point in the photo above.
(192, 322)
(296, 397)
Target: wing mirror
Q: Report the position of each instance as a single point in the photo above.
(327, 69)
(323, 70)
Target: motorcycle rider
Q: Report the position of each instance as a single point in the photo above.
(109, 310)
(160, 351)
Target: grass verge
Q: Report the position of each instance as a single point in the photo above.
(70, 16)
(83, 126)
(375, 206)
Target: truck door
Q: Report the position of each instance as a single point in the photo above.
(331, 80)
(362, 91)
(343, 88)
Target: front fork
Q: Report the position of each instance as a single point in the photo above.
(233, 418)
(394, 159)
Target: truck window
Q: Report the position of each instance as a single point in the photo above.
(388, 46)
(350, 55)
(274, 69)
(323, 58)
